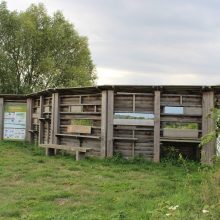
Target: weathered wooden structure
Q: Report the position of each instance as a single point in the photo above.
(97, 118)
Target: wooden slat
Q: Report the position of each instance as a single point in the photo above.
(192, 110)
(126, 138)
(156, 126)
(65, 147)
(56, 118)
(180, 140)
(137, 122)
(180, 133)
(79, 129)
(104, 124)
(40, 134)
(79, 136)
(110, 110)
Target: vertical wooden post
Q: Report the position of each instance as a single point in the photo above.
(56, 118)
(51, 151)
(110, 119)
(52, 119)
(41, 125)
(208, 125)
(1, 118)
(104, 123)
(156, 126)
(29, 136)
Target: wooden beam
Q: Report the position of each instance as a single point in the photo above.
(41, 123)
(110, 119)
(66, 147)
(29, 135)
(156, 126)
(133, 103)
(56, 118)
(134, 122)
(208, 151)
(104, 124)
(51, 151)
(1, 118)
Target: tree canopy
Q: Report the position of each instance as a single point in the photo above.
(39, 51)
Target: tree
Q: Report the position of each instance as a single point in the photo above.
(38, 51)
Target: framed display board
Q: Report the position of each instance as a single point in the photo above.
(14, 121)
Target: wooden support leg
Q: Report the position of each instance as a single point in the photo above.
(80, 155)
(56, 151)
(50, 151)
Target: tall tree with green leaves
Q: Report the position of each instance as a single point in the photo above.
(39, 51)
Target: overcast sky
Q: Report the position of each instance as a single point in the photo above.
(146, 41)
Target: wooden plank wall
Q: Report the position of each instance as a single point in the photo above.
(41, 119)
(191, 104)
(86, 107)
(49, 116)
(134, 140)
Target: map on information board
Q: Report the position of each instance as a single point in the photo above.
(15, 121)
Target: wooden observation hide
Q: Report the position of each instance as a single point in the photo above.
(130, 120)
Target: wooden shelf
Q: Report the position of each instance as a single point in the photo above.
(44, 119)
(46, 112)
(79, 136)
(125, 138)
(181, 115)
(177, 128)
(33, 131)
(180, 140)
(94, 119)
(80, 104)
(81, 113)
(134, 129)
(179, 105)
(146, 112)
(94, 127)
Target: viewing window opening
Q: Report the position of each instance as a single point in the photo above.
(132, 115)
(173, 110)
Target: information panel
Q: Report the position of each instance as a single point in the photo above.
(14, 121)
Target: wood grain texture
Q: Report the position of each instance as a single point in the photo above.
(156, 126)
(208, 151)
(140, 122)
(110, 117)
(41, 123)
(104, 123)
(80, 129)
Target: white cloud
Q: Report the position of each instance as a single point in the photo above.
(124, 77)
(146, 42)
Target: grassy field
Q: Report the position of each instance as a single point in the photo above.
(33, 186)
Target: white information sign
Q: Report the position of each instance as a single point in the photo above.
(15, 121)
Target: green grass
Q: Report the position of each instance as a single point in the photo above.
(33, 186)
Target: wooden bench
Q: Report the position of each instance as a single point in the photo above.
(80, 151)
